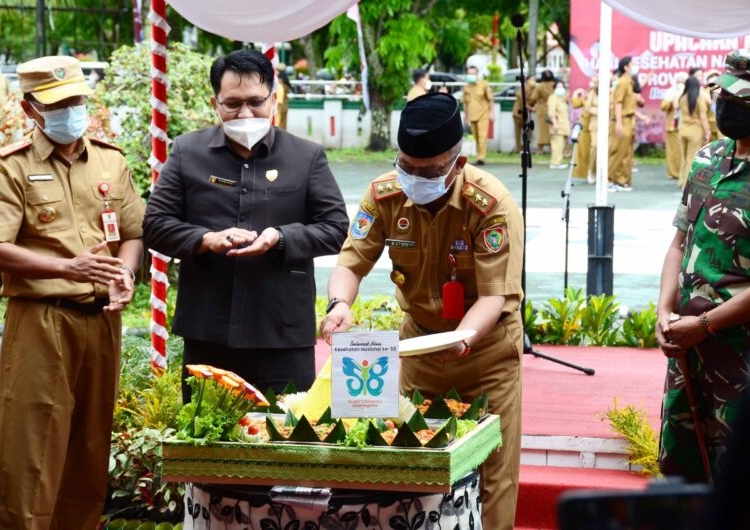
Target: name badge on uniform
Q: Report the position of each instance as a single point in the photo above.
(399, 243)
(218, 180)
(40, 178)
(109, 221)
(109, 216)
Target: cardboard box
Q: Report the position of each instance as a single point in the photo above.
(324, 465)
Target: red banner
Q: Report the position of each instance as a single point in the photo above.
(658, 55)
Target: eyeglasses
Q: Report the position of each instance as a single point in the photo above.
(426, 172)
(235, 105)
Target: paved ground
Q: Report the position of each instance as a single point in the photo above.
(643, 230)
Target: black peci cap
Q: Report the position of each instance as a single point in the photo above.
(430, 125)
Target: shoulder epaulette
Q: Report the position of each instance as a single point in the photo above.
(382, 189)
(15, 146)
(478, 197)
(103, 143)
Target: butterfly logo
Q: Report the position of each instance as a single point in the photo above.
(365, 378)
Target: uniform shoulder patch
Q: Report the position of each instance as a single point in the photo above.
(382, 189)
(14, 147)
(103, 143)
(478, 197)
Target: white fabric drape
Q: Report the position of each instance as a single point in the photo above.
(694, 18)
(260, 20)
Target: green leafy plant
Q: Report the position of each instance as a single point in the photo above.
(599, 319)
(531, 324)
(638, 329)
(643, 447)
(145, 400)
(377, 313)
(126, 90)
(560, 319)
(134, 484)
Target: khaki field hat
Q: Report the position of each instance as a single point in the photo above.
(52, 79)
(736, 77)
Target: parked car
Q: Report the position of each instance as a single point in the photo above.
(453, 82)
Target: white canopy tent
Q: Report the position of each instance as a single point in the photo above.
(692, 18)
(261, 20)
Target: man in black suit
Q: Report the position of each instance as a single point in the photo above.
(246, 207)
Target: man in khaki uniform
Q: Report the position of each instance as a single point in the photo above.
(622, 129)
(434, 209)
(670, 107)
(478, 110)
(70, 228)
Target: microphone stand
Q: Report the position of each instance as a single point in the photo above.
(526, 128)
(565, 194)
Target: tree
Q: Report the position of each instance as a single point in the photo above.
(126, 91)
(399, 35)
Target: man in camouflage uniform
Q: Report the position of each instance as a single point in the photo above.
(707, 268)
(439, 215)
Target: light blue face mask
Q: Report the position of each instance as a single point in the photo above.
(66, 125)
(423, 190)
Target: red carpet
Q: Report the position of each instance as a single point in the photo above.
(566, 404)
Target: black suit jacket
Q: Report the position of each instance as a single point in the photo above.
(264, 301)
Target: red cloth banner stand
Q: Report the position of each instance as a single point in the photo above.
(159, 139)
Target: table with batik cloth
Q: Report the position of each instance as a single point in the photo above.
(235, 486)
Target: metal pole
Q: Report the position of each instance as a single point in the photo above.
(41, 29)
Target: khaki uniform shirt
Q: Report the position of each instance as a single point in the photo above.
(481, 225)
(624, 94)
(691, 123)
(415, 92)
(592, 102)
(558, 107)
(477, 100)
(54, 208)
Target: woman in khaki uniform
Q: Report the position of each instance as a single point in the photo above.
(538, 100)
(591, 106)
(693, 128)
(671, 109)
(622, 129)
(518, 115)
(479, 110)
(583, 148)
(559, 113)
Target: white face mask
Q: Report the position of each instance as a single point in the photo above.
(427, 85)
(422, 190)
(66, 125)
(559, 92)
(247, 131)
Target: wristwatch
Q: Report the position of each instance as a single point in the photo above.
(281, 245)
(332, 303)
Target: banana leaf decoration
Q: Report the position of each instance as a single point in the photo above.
(439, 409)
(303, 431)
(406, 436)
(416, 397)
(273, 398)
